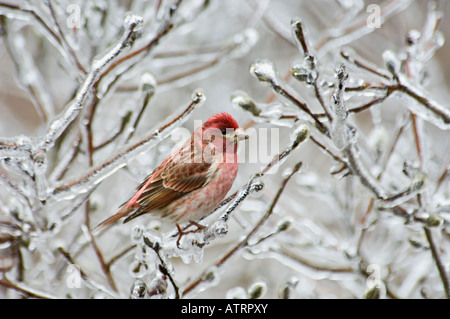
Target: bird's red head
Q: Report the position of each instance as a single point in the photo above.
(221, 121)
(221, 132)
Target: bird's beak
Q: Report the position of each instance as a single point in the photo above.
(239, 135)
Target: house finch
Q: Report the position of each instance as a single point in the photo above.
(193, 180)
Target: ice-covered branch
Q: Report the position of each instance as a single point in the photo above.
(432, 111)
(70, 112)
(264, 71)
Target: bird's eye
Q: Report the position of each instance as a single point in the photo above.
(224, 131)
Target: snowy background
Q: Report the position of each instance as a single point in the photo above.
(92, 98)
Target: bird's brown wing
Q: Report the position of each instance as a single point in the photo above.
(174, 178)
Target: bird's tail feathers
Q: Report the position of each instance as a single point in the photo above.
(124, 211)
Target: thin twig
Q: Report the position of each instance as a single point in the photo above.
(440, 265)
(106, 270)
(351, 57)
(303, 106)
(14, 186)
(163, 267)
(25, 290)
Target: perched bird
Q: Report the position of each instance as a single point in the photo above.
(193, 180)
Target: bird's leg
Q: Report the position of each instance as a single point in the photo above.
(181, 232)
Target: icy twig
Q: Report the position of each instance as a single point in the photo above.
(120, 255)
(328, 151)
(254, 185)
(148, 87)
(357, 169)
(16, 147)
(123, 125)
(230, 49)
(434, 112)
(441, 111)
(66, 161)
(284, 252)
(351, 56)
(340, 130)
